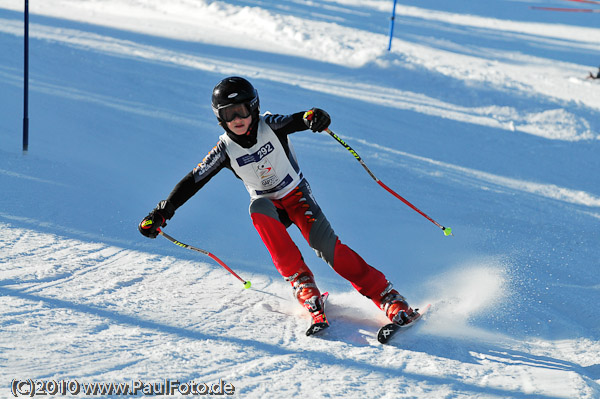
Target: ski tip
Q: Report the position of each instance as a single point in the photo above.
(424, 309)
(316, 328)
(387, 331)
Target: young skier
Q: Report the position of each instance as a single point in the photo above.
(257, 150)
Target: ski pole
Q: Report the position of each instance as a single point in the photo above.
(202, 251)
(447, 230)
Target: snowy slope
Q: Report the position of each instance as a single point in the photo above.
(480, 115)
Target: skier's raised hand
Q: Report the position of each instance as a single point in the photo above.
(316, 119)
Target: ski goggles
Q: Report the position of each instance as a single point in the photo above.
(230, 112)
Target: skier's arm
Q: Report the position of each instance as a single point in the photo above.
(184, 190)
(283, 125)
(212, 163)
(216, 160)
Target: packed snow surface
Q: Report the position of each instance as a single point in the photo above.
(480, 115)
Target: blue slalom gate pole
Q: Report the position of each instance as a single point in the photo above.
(26, 82)
(392, 25)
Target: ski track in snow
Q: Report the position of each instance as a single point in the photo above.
(556, 124)
(568, 126)
(105, 312)
(80, 303)
(464, 175)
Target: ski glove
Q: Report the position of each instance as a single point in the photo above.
(316, 119)
(157, 218)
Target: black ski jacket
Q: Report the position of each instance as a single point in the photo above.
(217, 158)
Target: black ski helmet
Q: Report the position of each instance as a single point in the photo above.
(235, 90)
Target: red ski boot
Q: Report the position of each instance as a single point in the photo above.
(401, 315)
(395, 306)
(307, 293)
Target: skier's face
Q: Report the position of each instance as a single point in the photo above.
(239, 125)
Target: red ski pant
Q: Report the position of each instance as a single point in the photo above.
(271, 219)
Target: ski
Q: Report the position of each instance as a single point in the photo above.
(320, 322)
(316, 328)
(386, 332)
